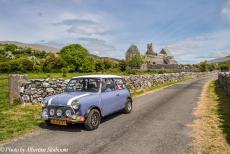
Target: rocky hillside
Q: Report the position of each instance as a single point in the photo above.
(48, 48)
(219, 60)
(33, 46)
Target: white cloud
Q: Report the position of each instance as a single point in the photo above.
(225, 12)
(86, 24)
(204, 47)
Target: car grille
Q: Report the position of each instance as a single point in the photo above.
(63, 108)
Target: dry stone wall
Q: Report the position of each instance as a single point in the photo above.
(33, 91)
(224, 81)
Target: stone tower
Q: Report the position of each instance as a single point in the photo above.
(133, 50)
(168, 57)
(150, 50)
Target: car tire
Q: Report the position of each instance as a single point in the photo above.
(128, 106)
(93, 120)
(48, 122)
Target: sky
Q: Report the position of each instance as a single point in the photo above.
(193, 30)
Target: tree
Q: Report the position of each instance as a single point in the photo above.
(99, 65)
(122, 65)
(10, 47)
(22, 64)
(53, 63)
(108, 64)
(135, 61)
(4, 67)
(78, 56)
(88, 65)
(203, 66)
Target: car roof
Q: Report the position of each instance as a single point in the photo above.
(98, 76)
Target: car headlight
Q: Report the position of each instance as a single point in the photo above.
(75, 105)
(45, 114)
(59, 112)
(68, 113)
(51, 112)
(44, 103)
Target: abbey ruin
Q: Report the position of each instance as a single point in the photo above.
(153, 60)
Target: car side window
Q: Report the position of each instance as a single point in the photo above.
(107, 85)
(119, 84)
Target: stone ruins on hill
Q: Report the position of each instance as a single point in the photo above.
(163, 60)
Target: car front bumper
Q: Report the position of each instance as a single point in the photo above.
(74, 118)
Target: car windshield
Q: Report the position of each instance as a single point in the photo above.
(83, 85)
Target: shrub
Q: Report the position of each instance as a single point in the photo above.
(64, 72)
(4, 67)
(122, 65)
(53, 63)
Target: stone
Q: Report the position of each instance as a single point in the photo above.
(45, 84)
(49, 90)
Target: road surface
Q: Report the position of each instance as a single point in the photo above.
(157, 124)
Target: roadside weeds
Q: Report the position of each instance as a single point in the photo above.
(211, 127)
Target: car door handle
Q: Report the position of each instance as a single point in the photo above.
(117, 94)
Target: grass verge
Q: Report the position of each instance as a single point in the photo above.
(16, 119)
(157, 86)
(211, 128)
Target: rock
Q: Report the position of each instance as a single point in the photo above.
(22, 89)
(45, 84)
(49, 90)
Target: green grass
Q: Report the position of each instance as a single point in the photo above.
(223, 110)
(157, 86)
(16, 119)
(111, 71)
(212, 123)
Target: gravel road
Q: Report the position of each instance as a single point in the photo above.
(157, 124)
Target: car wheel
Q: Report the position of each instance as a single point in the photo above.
(128, 106)
(48, 122)
(93, 120)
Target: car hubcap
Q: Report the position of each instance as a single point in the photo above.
(129, 106)
(95, 119)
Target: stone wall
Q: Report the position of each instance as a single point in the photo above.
(146, 81)
(33, 91)
(224, 81)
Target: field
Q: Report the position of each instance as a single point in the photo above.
(19, 119)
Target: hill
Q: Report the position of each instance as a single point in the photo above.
(219, 60)
(33, 46)
(48, 48)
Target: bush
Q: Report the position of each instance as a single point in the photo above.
(122, 65)
(135, 62)
(53, 63)
(99, 65)
(64, 72)
(4, 67)
(10, 47)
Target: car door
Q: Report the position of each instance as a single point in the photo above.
(109, 96)
(121, 92)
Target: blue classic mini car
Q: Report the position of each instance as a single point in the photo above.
(87, 99)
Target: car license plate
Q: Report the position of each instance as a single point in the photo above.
(58, 122)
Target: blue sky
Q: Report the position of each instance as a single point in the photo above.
(193, 30)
